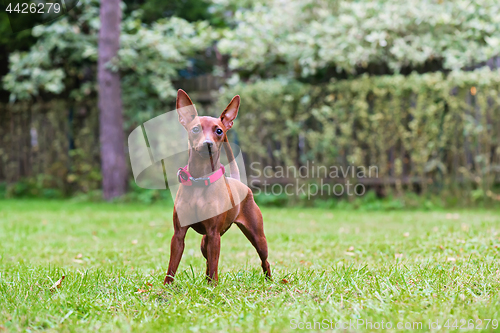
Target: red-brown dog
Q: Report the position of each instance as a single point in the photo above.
(206, 192)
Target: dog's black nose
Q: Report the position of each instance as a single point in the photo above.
(208, 143)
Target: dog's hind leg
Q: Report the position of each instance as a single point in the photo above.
(213, 253)
(251, 224)
(203, 247)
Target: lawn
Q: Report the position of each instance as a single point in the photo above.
(346, 268)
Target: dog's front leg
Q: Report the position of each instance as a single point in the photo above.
(213, 252)
(176, 250)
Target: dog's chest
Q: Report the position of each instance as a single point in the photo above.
(196, 204)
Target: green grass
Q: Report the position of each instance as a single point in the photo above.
(327, 265)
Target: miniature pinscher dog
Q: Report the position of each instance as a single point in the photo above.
(210, 205)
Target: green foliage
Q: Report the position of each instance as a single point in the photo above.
(190, 10)
(48, 134)
(368, 202)
(64, 58)
(83, 174)
(406, 201)
(281, 106)
(426, 129)
(33, 188)
(270, 200)
(3, 189)
(10, 42)
(149, 59)
(300, 38)
(63, 53)
(434, 130)
(135, 194)
(146, 196)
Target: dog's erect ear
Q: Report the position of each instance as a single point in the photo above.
(185, 108)
(230, 112)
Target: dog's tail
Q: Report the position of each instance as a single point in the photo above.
(233, 167)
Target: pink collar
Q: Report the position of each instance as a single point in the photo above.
(186, 179)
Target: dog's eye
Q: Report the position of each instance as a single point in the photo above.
(196, 130)
(218, 131)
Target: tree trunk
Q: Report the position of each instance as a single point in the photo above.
(111, 135)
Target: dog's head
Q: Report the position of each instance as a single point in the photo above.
(206, 134)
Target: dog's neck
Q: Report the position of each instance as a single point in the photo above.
(199, 166)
